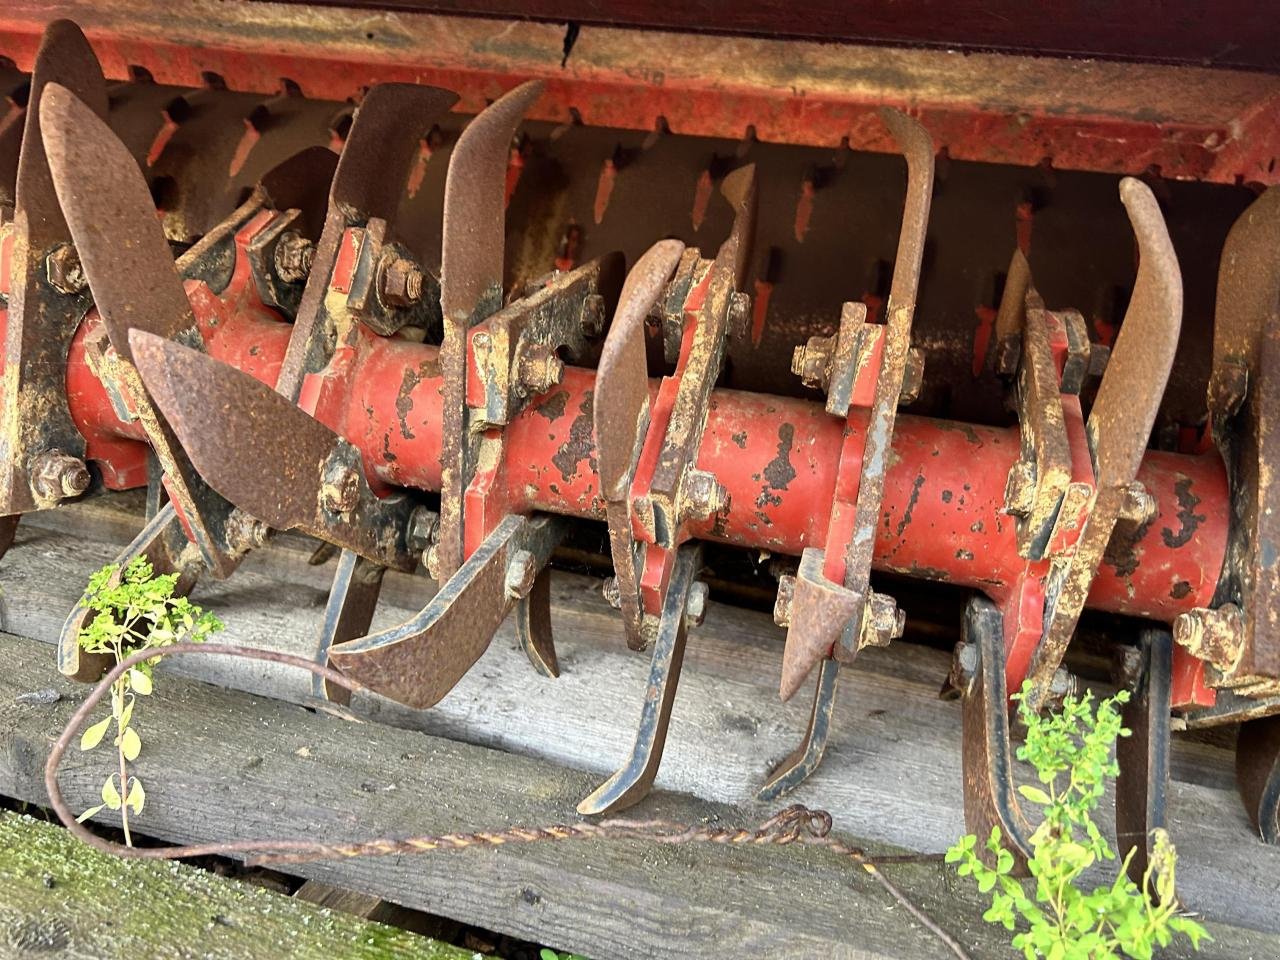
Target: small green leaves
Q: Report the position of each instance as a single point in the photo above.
(139, 682)
(137, 796)
(130, 744)
(1072, 752)
(133, 609)
(110, 795)
(94, 734)
(91, 812)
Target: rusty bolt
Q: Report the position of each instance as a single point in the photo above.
(539, 369)
(293, 257)
(912, 377)
(739, 318)
(786, 595)
(812, 362)
(424, 528)
(341, 490)
(400, 282)
(612, 592)
(1062, 685)
(695, 606)
(522, 570)
(882, 622)
(591, 317)
(245, 532)
(431, 560)
(704, 495)
(1213, 635)
(64, 271)
(1138, 505)
(57, 476)
(1020, 489)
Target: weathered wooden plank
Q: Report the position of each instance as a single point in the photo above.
(892, 772)
(222, 764)
(61, 898)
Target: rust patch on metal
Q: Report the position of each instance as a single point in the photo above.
(911, 505)
(552, 409)
(404, 400)
(1187, 516)
(740, 439)
(579, 446)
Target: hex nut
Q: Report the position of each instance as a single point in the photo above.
(739, 318)
(423, 529)
(522, 571)
(58, 476)
(341, 490)
(64, 271)
(786, 596)
(1138, 505)
(293, 257)
(882, 622)
(538, 369)
(811, 362)
(1213, 635)
(912, 377)
(704, 496)
(611, 592)
(245, 532)
(400, 282)
(695, 606)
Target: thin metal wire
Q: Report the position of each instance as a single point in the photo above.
(796, 824)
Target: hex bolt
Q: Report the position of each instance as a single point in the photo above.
(786, 596)
(423, 529)
(58, 476)
(811, 362)
(400, 282)
(1213, 635)
(611, 592)
(294, 255)
(882, 622)
(695, 606)
(538, 369)
(1138, 505)
(63, 269)
(739, 317)
(341, 490)
(245, 532)
(591, 317)
(704, 495)
(1020, 489)
(522, 570)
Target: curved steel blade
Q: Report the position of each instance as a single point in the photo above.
(264, 454)
(369, 182)
(110, 213)
(470, 283)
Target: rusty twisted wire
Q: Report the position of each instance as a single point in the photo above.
(795, 824)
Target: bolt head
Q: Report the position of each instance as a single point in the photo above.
(293, 257)
(786, 596)
(812, 362)
(424, 527)
(63, 269)
(400, 282)
(739, 319)
(882, 622)
(539, 369)
(341, 490)
(57, 476)
(1020, 489)
(245, 532)
(612, 592)
(522, 571)
(704, 495)
(695, 607)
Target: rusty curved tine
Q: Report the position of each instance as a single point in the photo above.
(42, 319)
(302, 475)
(302, 182)
(347, 615)
(1258, 774)
(803, 650)
(533, 626)
(987, 754)
(421, 660)
(1119, 424)
(368, 182)
(1142, 788)
(632, 783)
(621, 417)
(161, 542)
(1248, 294)
(802, 761)
(470, 285)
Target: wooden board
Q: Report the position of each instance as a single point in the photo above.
(61, 898)
(221, 764)
(892, 772)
